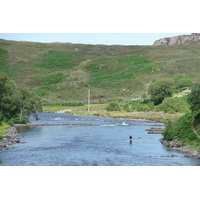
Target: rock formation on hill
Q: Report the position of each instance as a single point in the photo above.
(179, 40)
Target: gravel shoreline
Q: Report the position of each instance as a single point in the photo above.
(178, 146)
(10, 138)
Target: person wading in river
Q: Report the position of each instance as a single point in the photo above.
(130, 139)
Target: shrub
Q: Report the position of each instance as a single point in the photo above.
(181, 130)
(182, 80)
(161, 89)
(173, 105)
(194, 98)
(113, 106)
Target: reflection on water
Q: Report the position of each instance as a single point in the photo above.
(106, 144)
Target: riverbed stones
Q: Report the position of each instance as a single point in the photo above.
(10, 138)
(178, 146)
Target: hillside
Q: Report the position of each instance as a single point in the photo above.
(65, 71)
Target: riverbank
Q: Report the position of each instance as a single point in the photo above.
(9, 138)
(176, 145)
(99, 110)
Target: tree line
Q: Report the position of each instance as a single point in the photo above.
(16, 102)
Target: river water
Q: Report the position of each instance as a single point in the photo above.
(106, 143)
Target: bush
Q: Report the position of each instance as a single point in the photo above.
(113, 106)
(140, 106)
(194, 98)
(161, 89)
(181, 130)
(173, 105)
(181, 81)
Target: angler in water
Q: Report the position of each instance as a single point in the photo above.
(130, 139)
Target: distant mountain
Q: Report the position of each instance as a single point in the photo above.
(179, 40)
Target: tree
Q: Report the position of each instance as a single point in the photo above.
(26, 103)
(194, 98)
(182, 80)
(161, 89)
(16, 103)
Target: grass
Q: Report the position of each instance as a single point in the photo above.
(3, 128)
(182, 130)
(99, 110)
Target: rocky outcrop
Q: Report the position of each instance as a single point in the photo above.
(178, 146)
(179, 40)
(10, 138)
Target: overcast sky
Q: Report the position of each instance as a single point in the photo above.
(90, 38)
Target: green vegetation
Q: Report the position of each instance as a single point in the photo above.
(53, 79)
(187, 128)
(63, 104)
(109, 71)
(105, 71)
(173, 105)
(58, 60)
(194, 98)
(3, 127)
(181, 81)
(16, 103)
(4, 67)
(182, 130)
(161, 89)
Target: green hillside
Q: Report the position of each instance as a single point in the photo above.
(65, 71)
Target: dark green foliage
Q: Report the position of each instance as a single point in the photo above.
(16, 102)
(113, 106)
(182, 131)
(181, 81)
(160, 89)
(60, 60)
(194, 98)
(53, 79)
(173, 105)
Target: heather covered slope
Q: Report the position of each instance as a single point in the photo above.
(64, 71)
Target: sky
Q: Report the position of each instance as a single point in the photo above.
(90, 38)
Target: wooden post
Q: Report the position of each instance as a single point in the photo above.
(88, 100)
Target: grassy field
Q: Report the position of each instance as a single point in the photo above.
(64, 71)
(99, 110)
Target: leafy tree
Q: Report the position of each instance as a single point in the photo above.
(26, 103)
(161, 89)
(182, 80)
(194, 98)
(16, 103)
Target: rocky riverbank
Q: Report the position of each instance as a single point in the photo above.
(178, 146)
(10, 138)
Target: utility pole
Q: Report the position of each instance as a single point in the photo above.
(88, 100)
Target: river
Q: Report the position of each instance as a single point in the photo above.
(106, 143)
